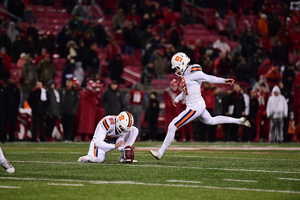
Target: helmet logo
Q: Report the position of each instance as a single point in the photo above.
(121, 117)
(178, 58)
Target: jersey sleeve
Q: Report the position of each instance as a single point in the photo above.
(101, 132)
(201, 76)
(179, 97)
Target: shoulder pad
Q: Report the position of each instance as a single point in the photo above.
(196, 68)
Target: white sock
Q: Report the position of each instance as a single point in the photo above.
(168, 140)
(2, 158)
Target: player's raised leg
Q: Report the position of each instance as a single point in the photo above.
(206, 118)
(183, 118)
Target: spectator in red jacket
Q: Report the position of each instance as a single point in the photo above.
(41, 57)
(172, 35)
(294, 34)
(279, 54)
(169, 95)
(222, 64)
(283, 36)
(109, 6)
(296, 107)
(261, 116)
(112, 49)
(169, 16)
(6, 58)
(273, 76)
(133, 15)
(134, 100)
(206, 132)
(87, 111)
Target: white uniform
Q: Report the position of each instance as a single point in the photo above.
(105, 130)
(192, 79)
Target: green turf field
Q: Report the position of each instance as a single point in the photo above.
(186, 171)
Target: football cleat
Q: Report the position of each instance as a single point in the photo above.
(83, 159)
(155, 154)
(8, 167)
(244, 122)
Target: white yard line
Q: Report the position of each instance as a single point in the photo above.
(223, 148)
(237, 180)
(9, 187)
(156, 184)
(164, 166)
(183, 181)
(234, 158)
(62, 184)
(45, 152)
(143, 154)
(290, 179)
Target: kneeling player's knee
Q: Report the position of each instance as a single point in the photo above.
(97, 160)
(211, 121)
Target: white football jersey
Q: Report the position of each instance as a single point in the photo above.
(106, 128)
(191, 82)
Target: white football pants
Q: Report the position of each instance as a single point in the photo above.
(2, 158)
(189, 114)
(98, 155)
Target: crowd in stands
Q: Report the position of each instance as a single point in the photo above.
(265, 57)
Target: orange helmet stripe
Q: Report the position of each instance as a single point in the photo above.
(130, 121)
(196, 69)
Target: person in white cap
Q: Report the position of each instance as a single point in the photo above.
(277, 109)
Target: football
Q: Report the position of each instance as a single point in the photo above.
(129, 154)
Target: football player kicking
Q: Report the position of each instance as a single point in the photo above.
(111, 128)
(5, 164)
(192, 78)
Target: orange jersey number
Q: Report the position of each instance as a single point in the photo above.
(112, 121)
(184, 86)
(178, 58)
(121, 117)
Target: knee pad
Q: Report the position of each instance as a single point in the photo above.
(212, 121)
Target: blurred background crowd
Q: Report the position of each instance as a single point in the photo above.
(65, 64)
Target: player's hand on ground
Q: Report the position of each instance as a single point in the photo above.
(229, 81)
(120, 144)
(175, 103)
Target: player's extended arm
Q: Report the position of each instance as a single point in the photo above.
(177, 99)
(99, 142)
(200, 76)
